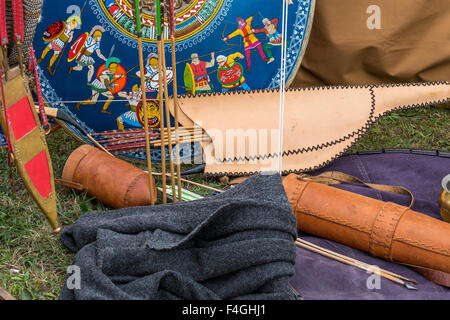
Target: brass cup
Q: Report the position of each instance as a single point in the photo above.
(444, 199)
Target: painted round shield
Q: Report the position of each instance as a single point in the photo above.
(77, 46)
(230, 76)
(189, 80)
(153, 80)
(153, 114)
(54, 31)
(116, 79)
(201, 26)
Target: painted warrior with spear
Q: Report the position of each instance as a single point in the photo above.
(91, 45)
(107, 83)
(57, 36)
(152, 73)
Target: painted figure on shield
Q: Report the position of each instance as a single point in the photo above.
(151, 69)
(84, 57)
(198, 72)
(275, 39)
(57, 36)
(135, 116)
(250, 41)
(130, 117)
(230, 73)
(152, 73)
(110, 80)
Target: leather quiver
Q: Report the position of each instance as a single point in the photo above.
(112, 181)
(384, 229)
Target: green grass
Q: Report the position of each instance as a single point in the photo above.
(32, 260)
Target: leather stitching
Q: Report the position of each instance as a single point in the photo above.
(339, 221)
(359, 133)
(130, 187)
(383, 230)
(422, 245)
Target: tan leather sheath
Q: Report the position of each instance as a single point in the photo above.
(112, 181)
(383, 229)
(320, 123)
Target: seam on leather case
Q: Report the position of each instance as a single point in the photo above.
(405, 210)
(383, 229)
(300, 190)
(77, 165)
(333, 219)
(421, 245)
(130, 187)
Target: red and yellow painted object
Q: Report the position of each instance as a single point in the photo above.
(29, 147)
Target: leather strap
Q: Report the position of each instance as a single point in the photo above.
(33, 66)
(8, 137)
(336, 177)
(383, 230)
(70, 184)
(439, 277)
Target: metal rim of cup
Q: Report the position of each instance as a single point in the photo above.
(446, 183)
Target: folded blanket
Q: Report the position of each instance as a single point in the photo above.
(237, 245)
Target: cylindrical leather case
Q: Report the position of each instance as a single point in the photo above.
(383, 229)
(112, 181)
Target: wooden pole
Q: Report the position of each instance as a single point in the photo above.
(167, 116)
(408, 283)
(144, 100)
(196, 184)
(161, 99)
(175, 94)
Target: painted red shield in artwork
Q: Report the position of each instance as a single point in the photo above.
(117, 79)
(77, 46)
(231, 76)
(54, 31)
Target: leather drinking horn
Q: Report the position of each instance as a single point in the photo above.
(383, 229)
(112, 181)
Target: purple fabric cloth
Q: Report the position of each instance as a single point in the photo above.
(321, 278)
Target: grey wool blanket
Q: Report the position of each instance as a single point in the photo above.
(236, 245)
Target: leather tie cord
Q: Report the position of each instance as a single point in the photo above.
(10, 150)
(4, 42)
(33, 66)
